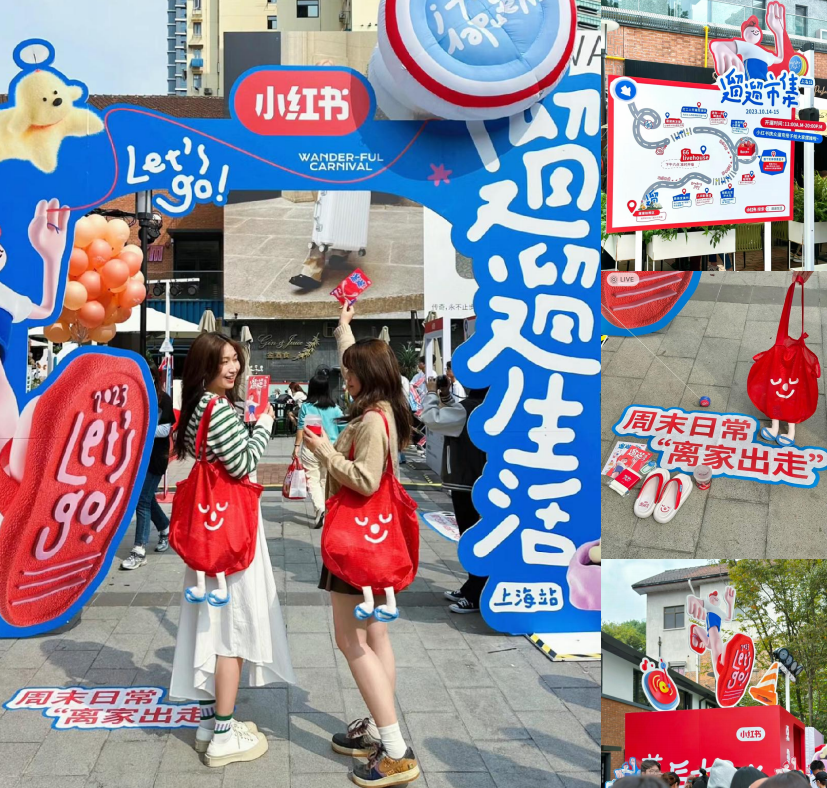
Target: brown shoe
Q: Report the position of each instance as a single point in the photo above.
(382, 770)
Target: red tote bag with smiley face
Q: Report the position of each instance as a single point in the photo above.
(372, 540)
(783, 381)
(214, 522)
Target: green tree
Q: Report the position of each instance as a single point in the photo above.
(632, 633)
(785, 602)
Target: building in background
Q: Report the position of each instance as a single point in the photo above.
(207, 22)
(667, 628)
(622, 693)
(588, 14)
(177, 47)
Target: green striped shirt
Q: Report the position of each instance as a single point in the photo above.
(227, 438)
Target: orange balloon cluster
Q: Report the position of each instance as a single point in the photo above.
(105, 282)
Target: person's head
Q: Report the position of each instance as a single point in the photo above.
(746, 776)
(449, 372)
(372, 376)
(671, 778)
(318, 391)
(421, 364)
(650, 767)
(785, 780)
(295, 388)
(821, 777)
(817, 766)
(751, 30)
(214, 363)
(157, 379)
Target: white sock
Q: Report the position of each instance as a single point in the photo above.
(223, 724)
(372, 729)
(392, 741)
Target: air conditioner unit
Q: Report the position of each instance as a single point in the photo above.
(208, 91)
(327, 331)
(822, 34)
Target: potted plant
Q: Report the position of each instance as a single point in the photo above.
(796, 226)
(674, 242)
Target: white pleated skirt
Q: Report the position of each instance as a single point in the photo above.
(249, 626)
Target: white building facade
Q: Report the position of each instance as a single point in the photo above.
(667, 625)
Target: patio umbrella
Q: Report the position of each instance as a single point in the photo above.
(385, 335)
(207, 322)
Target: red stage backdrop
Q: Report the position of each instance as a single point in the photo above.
(684, 741)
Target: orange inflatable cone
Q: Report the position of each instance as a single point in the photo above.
(764, 691)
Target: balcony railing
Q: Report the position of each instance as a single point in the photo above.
(719, 12)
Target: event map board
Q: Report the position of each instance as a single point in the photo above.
(683, 155)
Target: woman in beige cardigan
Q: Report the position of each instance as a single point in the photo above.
(374, 383)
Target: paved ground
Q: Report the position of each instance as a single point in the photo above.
(708, 349)
(482, 710)
(266, 243)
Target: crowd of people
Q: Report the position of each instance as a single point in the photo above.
(353, 449)
(724, 774)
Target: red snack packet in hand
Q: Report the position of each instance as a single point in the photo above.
(350, 288)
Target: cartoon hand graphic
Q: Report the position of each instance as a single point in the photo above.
(729, 599)
(725, 59)
(775, 19)
(47, 230)
(695, 607)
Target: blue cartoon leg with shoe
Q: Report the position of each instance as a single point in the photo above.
(386, 612)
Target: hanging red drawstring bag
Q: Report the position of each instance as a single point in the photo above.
(782, 382)
(372, 540)
(214, 522)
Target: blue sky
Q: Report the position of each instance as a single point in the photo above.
(114, 46)
(619, 601)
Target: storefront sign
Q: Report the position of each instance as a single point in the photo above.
(662, 173)
(686, 741)
(105, 707)
(725, 442)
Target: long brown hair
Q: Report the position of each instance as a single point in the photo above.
(374, 363)
(200, 368)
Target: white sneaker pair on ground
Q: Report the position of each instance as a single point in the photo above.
(244, 742)
(662, 496)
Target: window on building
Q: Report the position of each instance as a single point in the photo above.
(673, 617)
(686, 700)
(196, 28)
(759, 9)
(307, 9)
(638, 695)
(196, 5)
(196, 81)
(272, 23)
(801, 20)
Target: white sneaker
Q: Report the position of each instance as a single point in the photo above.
(203, 736)
(135, 559)
(239, 745)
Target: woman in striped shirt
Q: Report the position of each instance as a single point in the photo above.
(213, 642)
